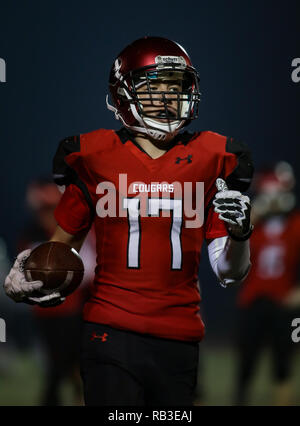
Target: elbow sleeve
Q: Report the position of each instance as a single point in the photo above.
(230, 260)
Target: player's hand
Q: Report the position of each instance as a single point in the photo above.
(234, 209)
(15, 285)
(20, 290)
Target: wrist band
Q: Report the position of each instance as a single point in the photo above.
(243, 237)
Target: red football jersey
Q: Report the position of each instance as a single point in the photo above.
(147, 260)
(275, 255)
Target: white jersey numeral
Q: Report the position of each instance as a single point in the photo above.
(134, 234)
(271, 262)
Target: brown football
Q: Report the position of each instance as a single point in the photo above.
(57, 265)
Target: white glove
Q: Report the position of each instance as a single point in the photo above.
(234, 209)
(18, 289)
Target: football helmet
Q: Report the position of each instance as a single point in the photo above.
(135, 78)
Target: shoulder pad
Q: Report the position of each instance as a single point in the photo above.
(241, 177)
(63, 174)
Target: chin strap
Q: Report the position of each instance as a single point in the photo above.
(114, 110)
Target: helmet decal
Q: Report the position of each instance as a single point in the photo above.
(118, 64)
(179, 61)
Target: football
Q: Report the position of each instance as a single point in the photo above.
(57, 265)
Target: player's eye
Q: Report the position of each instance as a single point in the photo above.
(174, 89)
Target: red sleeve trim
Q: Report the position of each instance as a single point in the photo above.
(213, 235)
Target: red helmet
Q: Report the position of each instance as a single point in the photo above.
(275, 179)
(138, 66)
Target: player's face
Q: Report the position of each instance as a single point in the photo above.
(153, 103)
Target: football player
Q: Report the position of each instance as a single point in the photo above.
(142, 323)
(270, 298)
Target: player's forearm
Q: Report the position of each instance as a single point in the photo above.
(74, 241)
(234, 261)
(229, 259)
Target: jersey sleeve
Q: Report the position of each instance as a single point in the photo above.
(72, 212)
(213, 226)
(69, 167)
(76, 210)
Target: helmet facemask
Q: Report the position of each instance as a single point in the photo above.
(160, 114)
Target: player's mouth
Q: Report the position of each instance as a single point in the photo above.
(163, 116)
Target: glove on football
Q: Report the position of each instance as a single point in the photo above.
(234, 209)
(18, 289)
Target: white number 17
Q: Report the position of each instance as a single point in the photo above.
(134, 232)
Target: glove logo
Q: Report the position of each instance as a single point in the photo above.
(221, 185)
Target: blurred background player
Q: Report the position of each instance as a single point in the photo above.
(59, 326)
(270, 297)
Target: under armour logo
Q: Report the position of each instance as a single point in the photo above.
(97, 336)
(188, 158)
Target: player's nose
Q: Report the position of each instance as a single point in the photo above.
(162, 97)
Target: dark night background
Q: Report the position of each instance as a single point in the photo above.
(58, 57)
